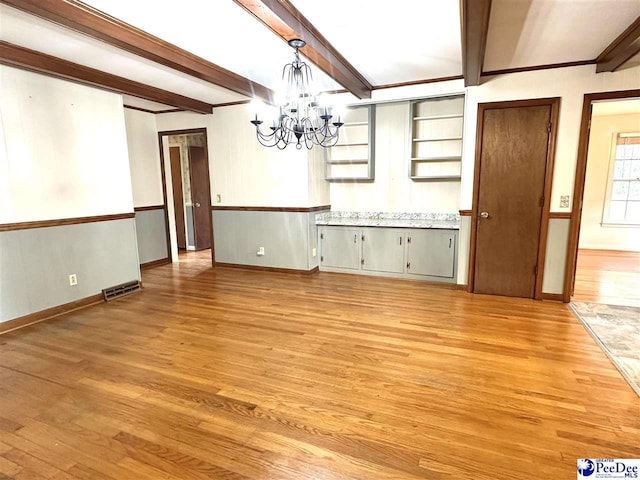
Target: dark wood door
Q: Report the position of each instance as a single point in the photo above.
(178, 197)
(510, 199)
(200, 197)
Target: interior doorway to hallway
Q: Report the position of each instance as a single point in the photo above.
(185, 165)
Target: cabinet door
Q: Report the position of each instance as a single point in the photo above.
(383, 249)
(431, 252)
(340, 247)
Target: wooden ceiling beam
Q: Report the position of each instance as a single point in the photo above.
(286, 21)
(26, 59)
(475, 25)
(622, 49)
(94, 23)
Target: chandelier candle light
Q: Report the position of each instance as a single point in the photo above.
(302, 120)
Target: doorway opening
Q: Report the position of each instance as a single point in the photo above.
(607, 257)
(185, 167)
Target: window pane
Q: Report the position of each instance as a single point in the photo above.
(616, 211)
(634, 190)
(620, 191)
(620, 152)
(633, 212)
(635, 152)
(622, 169)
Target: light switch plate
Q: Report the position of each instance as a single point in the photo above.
(564, 201)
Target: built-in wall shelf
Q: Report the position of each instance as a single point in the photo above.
(436, 139)
(435, 178)
(439, 117)
(352, 158)
(355, 161)
(442, 139)
(437, 159)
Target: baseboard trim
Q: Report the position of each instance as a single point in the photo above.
(556, 297)
(37, 317)
(267, 269)
(462, 286)
(155, 263)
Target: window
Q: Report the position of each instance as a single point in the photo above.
(622, 205)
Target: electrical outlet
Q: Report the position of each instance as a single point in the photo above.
(260, 252)
(564, 201)
(218, 198)
(73, 279)
(313, 252)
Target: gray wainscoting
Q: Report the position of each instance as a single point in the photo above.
(287, 237)
(35, 264)
(152, 235)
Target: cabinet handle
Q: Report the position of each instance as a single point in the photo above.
(400, 240)
(355, 238)
(450, 242)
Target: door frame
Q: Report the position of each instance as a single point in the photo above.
(579, 181)
(189, 131)
(554, 103)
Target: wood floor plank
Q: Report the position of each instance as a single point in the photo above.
(231, 374)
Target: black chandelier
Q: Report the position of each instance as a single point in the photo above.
(302, 120)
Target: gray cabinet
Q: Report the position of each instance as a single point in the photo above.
(431, 252)
(428, 254)
(383, 249)
(340, 247)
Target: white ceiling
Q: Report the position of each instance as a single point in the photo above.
(391, 42)
(387, 42)
(219, 31)
(37, 34)
(617, 107)
(524, 33)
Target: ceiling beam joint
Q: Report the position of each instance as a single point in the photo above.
(475, 26)
(621, 50)
(286, 21)
(26, 59)
(84, 19)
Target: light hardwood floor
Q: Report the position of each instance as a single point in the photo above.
(233, 374)
(607, 276)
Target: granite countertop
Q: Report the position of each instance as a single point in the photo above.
(390, 220)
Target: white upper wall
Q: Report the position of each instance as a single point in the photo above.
(63, 152)
(243, 172)
(570, 84)
(144, 158)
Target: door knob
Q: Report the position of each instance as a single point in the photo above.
(484, 214)
(197, 204)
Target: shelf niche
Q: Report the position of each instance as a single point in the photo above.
(436, 139)
(352, 158)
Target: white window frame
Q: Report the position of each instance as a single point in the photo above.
(607, 199)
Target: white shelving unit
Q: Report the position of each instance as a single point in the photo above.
(352, 158)
(436, 139)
